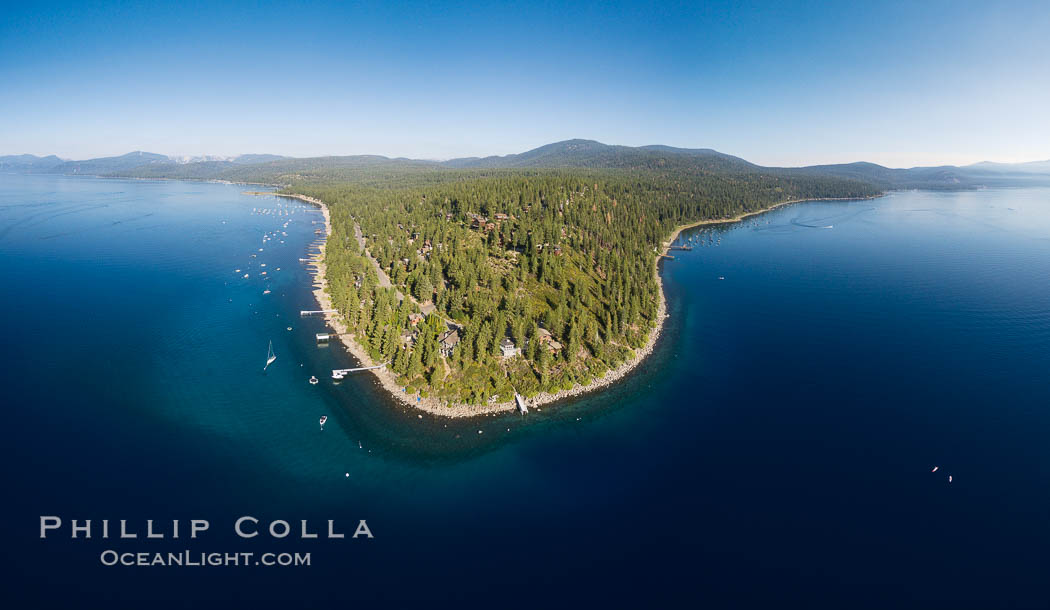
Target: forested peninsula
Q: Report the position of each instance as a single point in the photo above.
(535, 273)
(475, 285)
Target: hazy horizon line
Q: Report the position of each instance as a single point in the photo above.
(219, 156)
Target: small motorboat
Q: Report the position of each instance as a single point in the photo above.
(266, 292)
(324, 418)
(935, 469)
(313, 380)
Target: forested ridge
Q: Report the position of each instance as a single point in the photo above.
(534, 280)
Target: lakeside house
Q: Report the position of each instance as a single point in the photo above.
(449, 341)
(544, 338)
(508, 349)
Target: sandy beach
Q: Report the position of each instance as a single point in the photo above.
(450, 409)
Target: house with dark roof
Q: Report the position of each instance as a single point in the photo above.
(449, 341)
(507, 348)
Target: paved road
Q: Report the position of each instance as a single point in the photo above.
(384, 279)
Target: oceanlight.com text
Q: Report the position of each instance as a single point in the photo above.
(199, 559)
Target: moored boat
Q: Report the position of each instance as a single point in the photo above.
(270, 356)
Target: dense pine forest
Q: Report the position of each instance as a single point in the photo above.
(491, 281)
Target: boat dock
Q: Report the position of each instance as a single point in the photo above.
(522, 407)
(339, 373)
(306, 312)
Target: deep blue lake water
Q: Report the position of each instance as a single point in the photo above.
(776, 448)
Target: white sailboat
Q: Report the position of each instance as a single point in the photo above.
(270, 356)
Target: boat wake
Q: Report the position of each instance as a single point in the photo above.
(802, 224)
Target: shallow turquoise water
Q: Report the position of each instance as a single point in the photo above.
(777, 445)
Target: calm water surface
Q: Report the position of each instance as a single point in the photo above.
(777, 446)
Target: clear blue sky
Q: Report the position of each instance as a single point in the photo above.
(784, 83)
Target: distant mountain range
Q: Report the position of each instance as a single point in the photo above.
(28, 163)
(104, 166)
(583, 154)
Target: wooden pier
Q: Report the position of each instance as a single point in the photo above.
(306, 312)
(339, 373)
(520, 402)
